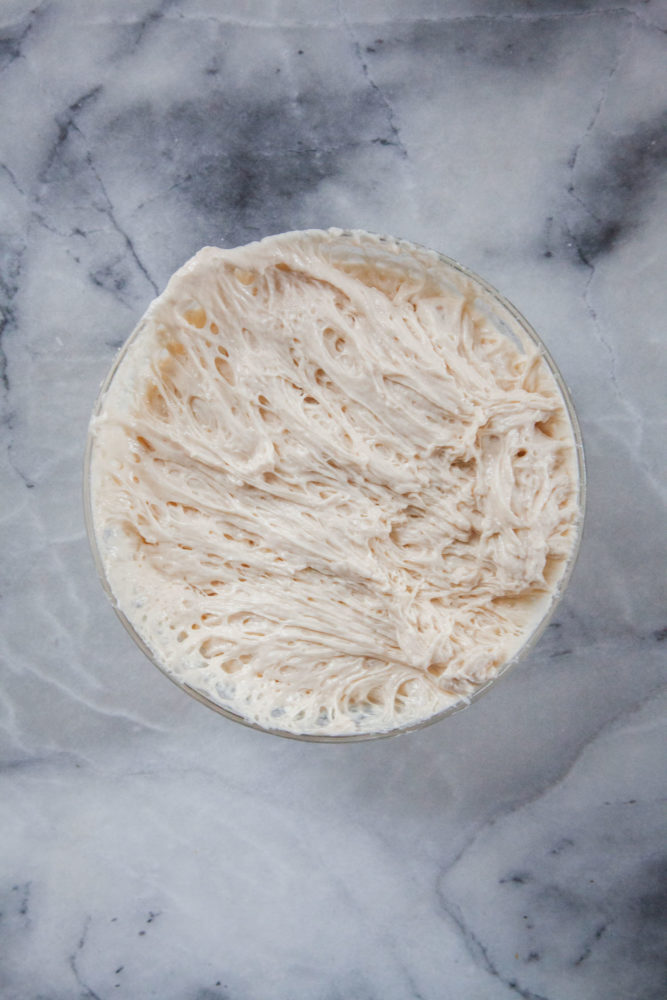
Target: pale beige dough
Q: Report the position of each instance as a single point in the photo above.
(326, 491)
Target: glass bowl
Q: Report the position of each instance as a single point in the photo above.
(506, 319)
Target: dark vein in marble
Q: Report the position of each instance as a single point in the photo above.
(396, 139)
(590, 944)
(66, 124)
(613, 196)
(630, 913)
(27, 482)
(564, 844)
(584, 246)
(148, 21)
(23, 892)
(111, 216)
(159, 13)
(11, 261)
(477, 950)
(63, 233)
(229, 20)
(58, 759)
(516, 878)
(13, 37)
(391, 117)
(7, 318)
(89, 993)
(11, 257)
(12, 178)
(526, 17)
(412, 986)
(572, 163)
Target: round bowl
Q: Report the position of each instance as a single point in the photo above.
(509, 321)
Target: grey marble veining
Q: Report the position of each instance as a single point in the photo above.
(152, 849)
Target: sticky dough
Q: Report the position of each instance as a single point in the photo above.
(327, 492)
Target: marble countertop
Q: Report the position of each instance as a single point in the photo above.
(148, 847)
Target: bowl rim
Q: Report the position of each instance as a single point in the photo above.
(497, 299)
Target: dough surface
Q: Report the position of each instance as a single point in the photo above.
(328, 493)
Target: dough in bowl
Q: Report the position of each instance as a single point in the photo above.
(330, 490)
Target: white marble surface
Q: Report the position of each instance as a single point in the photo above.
(149, 848)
